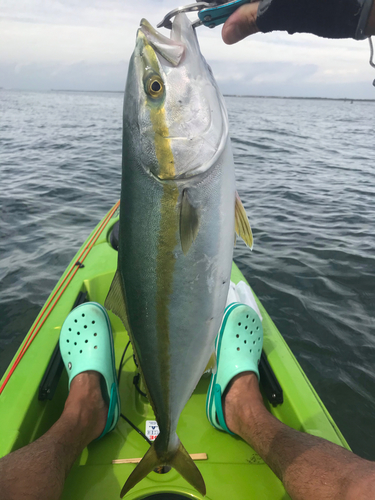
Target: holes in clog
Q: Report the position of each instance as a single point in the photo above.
(95, 334)
(69, 353)
(250, 350)
(67, 340)
(75, 343)
(238, 348)
(258, 339)
(257, 327)
(80, 352)
(70, 329)
(245, 341)
(253, 320)
(93, 322)
(78, 333)
(75, 321)
(246, 327)
(237, 336)
(95, 346)
(86, 341)
(247, 315)
(85, 326)
(251, 332)
(83, 315)
(239, 324)
(254, 342)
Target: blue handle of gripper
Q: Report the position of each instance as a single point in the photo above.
(213, 16)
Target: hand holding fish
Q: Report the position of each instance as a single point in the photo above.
(241, 23)
(334, 19)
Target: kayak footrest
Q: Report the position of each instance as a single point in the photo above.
(55, 366)
(270, 385)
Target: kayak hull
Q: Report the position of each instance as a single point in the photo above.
(232, 470)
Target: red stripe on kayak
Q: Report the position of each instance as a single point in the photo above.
(38, 324)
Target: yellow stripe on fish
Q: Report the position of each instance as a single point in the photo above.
(155, 91)
(163, 148)
(169, 221)
(165, 264)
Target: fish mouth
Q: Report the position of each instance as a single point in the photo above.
(171, 49)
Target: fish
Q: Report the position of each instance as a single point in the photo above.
(177, 223)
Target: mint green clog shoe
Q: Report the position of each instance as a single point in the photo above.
(86, 343)
(238, 348)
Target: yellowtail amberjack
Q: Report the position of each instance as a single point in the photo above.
(177, 223)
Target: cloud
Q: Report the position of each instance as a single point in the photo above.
(285, 79)
(59, 76)
(87, 45)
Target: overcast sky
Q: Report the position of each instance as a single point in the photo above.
(86, 45)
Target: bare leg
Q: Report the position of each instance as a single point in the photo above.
(309, 467)
(40, 469)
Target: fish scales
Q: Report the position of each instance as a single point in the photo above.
(176, 228)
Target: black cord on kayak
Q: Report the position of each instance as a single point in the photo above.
(122, 363)
(136, 429)
(118, 381)
(136, 383)
(137, 378)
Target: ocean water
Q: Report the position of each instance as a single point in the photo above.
(306, 174)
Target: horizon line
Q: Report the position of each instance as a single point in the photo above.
(250, 96)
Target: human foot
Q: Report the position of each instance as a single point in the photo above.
(241, 398)
(85, 404)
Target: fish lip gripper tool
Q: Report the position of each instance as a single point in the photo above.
(210, 13)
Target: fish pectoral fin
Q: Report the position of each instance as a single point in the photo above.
(211, 362)
(115, 300)
(242, 224)
(189, 222)
(180, 460)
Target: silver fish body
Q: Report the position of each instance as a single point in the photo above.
(176, 228)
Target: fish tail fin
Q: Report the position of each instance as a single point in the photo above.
(148, 463)
(180, 460)
(184, 465)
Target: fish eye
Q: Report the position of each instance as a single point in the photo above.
(155, 86)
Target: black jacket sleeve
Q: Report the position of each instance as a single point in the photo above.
(325, 18)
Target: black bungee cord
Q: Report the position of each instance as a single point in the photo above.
(118, 382)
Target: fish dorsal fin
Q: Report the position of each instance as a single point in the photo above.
(115, 300)
(189, 222)
(242, 225)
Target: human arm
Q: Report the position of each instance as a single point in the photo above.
(317, 16)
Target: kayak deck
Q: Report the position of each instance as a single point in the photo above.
(232, 470)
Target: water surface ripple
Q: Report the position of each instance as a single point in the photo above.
(305, 173)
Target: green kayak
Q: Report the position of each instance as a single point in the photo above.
(34, 388)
